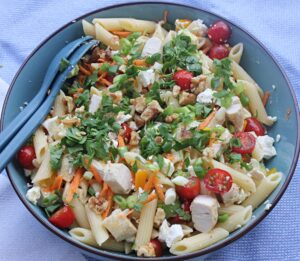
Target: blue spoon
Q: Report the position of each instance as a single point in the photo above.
(22, 117)
(38, 117)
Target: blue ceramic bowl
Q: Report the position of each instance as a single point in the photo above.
(256, 59)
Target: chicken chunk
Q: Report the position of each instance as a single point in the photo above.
(120, 226)
(151, 111)
(218, 119)
(159, 217)
(235, 113)
(116, 175)
(186, 98)
(146, 250)
(204, 210)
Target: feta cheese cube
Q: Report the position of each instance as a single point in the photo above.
(206, 96)
(152, 46)
(171, 234)
(170, 196)
(145, 78)
(95, 103)
(33, 194)
(264, 148)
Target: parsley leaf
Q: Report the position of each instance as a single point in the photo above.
(225, 97)
(174, 210)
(202, 110)
(153, 58)
(56, 152)
(83, 99)
(64, 63)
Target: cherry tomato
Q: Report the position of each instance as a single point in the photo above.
(186, 206)
(25, 157)
(254, 125)
(157, 247)
(218, 180)
(127, 131)
(183, 79)
(190, 190)
(248, 143)
(63, 218)
(176, 220)
(218, 51)
(219, 32)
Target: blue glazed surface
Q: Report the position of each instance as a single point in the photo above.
(255, 60)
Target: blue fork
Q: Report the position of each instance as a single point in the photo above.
(23, 116)
(38, 117)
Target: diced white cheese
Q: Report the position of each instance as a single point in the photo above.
(171, 234)
(234, 195)
(204, 211)
(264, 148)
(95, 103)
(157, 66)
(170, 196)
(175, 234)
(180, 181)
(206, 96)
(33, 194)
(145, 78)
(122, 117)
(152, 46)
(197, 27)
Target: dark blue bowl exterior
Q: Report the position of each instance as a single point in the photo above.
(256, 59)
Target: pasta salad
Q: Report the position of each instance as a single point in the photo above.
(156, 141)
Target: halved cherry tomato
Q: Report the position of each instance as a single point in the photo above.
(252, 124)
(186, 206)
(63, 218)
(183, 79)
(127, 131)
(219, 32)
(247, 143)
(190, 190)
(157, 247)
(176, 220)
(218, 180)
(25, 157)
(218, 51)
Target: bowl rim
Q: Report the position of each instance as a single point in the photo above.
(115, 255)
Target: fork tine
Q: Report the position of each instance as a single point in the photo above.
(52, 70)
(37, 118)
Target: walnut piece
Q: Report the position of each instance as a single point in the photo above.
(186, 98)
(97, 205)
(151, 111)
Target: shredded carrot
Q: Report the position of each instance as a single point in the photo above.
(81, 78)
(150, 183)
(94, 172)
(266, 98)
(74, 184)
(84, 71)
(122, 34)
(160, 192)
(150, 198)
(56, 184)
(104, 190)
(121, 142)
(203, 124)
(140, 179)
(92, 181)
(140, 62)
(110, 204)
(212, 139)
(105, 82)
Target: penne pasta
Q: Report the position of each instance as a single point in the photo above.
(134, 25)
(106, 37)
(198, 242)
(88, 28)
(255, 104)
(264, 189)
(237, 219)
(59, 107)
(40, 144)
(236, 52)
(44, 171)
(240, 74)
(145, 227)
(239, 178)
(99, 231)
(80, 213)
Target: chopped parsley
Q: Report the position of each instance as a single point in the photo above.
(56, 152)
(175, 209)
